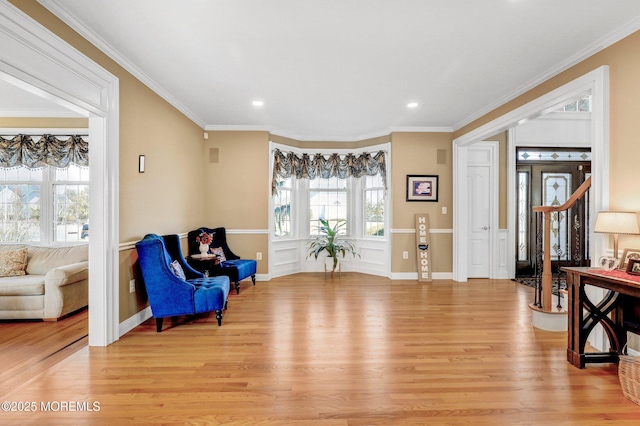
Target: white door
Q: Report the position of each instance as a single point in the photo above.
(478, 184)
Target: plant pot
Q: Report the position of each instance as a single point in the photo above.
(328, 265)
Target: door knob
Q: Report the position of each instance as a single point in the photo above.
(485, 228)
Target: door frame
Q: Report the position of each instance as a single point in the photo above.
(492, 147)
(595, 83)
(36, 60)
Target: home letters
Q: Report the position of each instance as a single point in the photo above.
(423, 248)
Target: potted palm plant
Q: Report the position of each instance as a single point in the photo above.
(328, 240)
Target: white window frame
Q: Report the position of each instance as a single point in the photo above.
(292, 213)
(349, 189)
(364, 190)
(46, 201)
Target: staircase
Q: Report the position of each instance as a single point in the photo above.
(545, 314)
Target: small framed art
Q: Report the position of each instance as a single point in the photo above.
(422, 188)
(627, 255)
(633, 267)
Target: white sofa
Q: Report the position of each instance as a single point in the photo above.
(56, 283)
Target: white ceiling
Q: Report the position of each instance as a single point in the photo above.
(345, 69)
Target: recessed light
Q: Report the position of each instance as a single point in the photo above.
(258, 103)
(412, 105)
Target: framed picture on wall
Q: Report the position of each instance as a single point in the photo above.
(422, 188)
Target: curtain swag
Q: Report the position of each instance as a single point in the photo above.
(307, 166)
(47, 151)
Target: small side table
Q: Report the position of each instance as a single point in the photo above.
(204, 262)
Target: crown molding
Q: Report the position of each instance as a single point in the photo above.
(606, 41)
(55, 7)
(421, 129)
(237, 128)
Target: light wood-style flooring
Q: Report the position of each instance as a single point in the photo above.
(355, 350)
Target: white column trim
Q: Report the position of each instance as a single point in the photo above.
(38, 61)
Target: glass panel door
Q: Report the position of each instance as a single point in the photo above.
(551, 184)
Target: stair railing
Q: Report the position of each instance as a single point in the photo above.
(543, 299)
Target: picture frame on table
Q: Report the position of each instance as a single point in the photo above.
(627, 255)
(422, 187)
(633, 267)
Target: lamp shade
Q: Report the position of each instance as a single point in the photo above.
(617, 223)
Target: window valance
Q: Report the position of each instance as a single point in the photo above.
(306, 166)
(47, 151)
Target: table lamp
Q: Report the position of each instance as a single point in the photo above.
(617, 223)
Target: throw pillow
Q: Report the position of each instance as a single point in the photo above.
(219, 253)
(13, 262)
(177, 270)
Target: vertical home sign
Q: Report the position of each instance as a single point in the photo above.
(423, 247)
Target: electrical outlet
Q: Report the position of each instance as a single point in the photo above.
(444, 210)
(405, 254)
(132, 286)
(259, 255)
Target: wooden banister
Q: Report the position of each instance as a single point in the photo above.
(579, 193)
(547, 211)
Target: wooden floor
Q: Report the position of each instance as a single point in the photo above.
(27, 348)
(355, 350)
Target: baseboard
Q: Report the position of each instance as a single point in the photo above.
(135, 320)
(413, 276)
(632, 352)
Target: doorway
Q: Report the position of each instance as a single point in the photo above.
(594, 83)
(39, 62)
(548, 177)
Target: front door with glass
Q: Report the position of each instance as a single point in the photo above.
(548, 178)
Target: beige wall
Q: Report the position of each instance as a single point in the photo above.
(237, 190)
(166, 197)
(44, 122)
(417, 154)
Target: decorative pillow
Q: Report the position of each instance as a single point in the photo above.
(13, 262)
(177, 270)
(219, 252)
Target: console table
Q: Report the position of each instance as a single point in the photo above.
(618, 312)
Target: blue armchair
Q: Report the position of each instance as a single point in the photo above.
(173, 246)
(171, 295)
(232, 266)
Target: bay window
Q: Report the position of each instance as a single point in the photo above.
(341, 185)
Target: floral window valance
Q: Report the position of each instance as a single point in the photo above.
(305, 166)
(22, 150)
